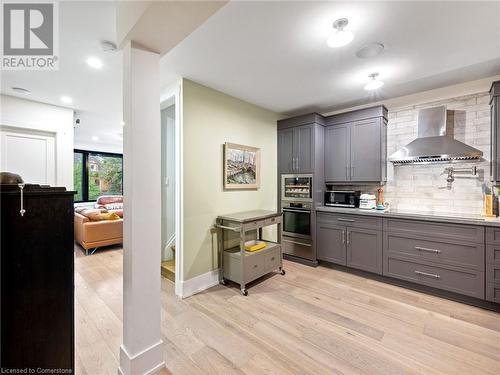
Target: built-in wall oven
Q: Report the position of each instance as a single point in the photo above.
(297, 225)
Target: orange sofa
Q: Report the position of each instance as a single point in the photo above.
(94, 234)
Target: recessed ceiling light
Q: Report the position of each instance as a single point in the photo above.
(374, 82)
(123, 123)
(20, 90)
(340, 37)
(94, 62)
(95, 138)
(66, 99)
(370, 50)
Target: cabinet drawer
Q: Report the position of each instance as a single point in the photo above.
(493, 254)
(493, 292)
(253, 224)
(454, 253)
(273, 220)
(254, 267)
(272, 260)
(493, 236)
(459, 232)
(462, 281)
(358, 221)
(493, 273)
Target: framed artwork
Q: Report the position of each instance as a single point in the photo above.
(241, 167)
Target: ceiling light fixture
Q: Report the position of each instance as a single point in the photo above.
(374, 82)
(95, 138)
(66, 99)
(340, 37)
(20, 90)
(94, 62)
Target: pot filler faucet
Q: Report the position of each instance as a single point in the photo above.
(450, 170)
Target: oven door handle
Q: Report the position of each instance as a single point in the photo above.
(297, 243)
(295, 210)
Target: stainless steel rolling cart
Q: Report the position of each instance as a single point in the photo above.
(242, 266)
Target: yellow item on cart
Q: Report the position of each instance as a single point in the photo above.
(254, 245)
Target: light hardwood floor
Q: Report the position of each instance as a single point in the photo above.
(311, 321)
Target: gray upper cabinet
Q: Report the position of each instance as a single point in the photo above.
(298, 148)
(366, 163)
(337, 153)
(304, 149)
(355, 146)
(285, 150)
(495, 133)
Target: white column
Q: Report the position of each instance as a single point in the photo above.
(142, 349)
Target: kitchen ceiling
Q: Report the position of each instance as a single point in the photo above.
(274, 54)
(96, 93)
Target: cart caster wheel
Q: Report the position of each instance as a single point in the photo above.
(244, 292)
(223, 282)
(283, 272)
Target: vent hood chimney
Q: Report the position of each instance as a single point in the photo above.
(433, 144)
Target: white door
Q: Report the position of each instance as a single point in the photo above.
(30, 154)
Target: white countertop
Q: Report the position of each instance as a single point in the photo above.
(417, 215)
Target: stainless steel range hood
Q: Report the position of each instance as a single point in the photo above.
(434, 142)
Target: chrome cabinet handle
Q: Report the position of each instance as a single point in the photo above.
(297, 163)
(352, 171)
(22, 211)
(348, 238)
(427, 274)
(347, 172)
(343, 236)
(435, 251)
(348, 220)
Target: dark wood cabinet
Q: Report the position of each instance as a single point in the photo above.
(495, 132)
(355, 146)
(37, 279)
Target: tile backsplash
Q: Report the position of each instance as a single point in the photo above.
(424, 187)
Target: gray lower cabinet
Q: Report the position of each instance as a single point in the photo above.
(330, 245)
(441, 255)
(364, 249)
(348, 240)
(493, 264)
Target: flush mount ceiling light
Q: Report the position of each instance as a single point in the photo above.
(370, 50)
(94, 62)
(66, 99)
(20, 90)
(340, 37)
(374, 82)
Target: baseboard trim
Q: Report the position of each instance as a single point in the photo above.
(198, 284)
(140, 363)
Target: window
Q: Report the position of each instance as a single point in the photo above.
(96, 174)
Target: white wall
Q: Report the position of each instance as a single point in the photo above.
(211, 118)
(29, 115)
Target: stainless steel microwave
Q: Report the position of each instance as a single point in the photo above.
(342, 198)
